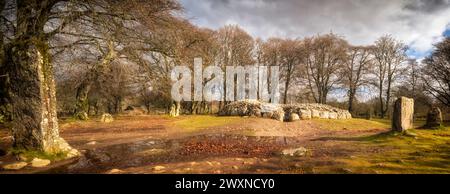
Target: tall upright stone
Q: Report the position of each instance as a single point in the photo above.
(402, 118)
(434, 118)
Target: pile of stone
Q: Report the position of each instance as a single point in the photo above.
(322, 111)
(287, 112)
(253, 108)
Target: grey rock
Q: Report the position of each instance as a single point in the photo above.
(294, 117)
(301, 151)
(15, 166)
(402, 118)
(39, 163)
(434, 118)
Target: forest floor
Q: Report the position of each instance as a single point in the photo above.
(211, 144)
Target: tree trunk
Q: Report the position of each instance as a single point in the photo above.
(94, 74)
(381, 100)
(351, 98)
(33, 99)
(82, 103)
(286, 87)
(388, 98)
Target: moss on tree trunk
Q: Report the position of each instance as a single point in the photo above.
(33, 98)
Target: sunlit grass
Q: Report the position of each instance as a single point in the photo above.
(31, 154)
(349, 124)
(426, 151)
(417, 123)
(193, 123)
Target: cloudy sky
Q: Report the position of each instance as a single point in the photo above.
(418, 23)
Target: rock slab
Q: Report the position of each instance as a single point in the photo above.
(434, 118)
(402, 118)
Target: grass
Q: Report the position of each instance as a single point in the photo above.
(29, 155)
(426, 151)
(193, 123)
(417, 123)
(349, 124)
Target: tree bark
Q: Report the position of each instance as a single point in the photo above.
(286, 87)
(82, 103)
(93, 75)
(351, 98)
(380, 96)
(33, 98)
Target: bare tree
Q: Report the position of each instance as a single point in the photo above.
(389, 54)
(236, 48)
(436, 73)
(324, 57)
(354, 71)
(32, 25)
(291, 56)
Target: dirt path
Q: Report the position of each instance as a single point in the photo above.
(156, 144)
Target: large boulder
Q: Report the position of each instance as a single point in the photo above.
(402, 118)
(15, 166)
(242, 108)
(332, 115)
(324, 115)
(315, 114)
(434, 118)
(301, 151)
(305, 114)
(38, 163)
(293, 117)
(278, 115)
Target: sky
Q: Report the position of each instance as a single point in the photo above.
(417, 23)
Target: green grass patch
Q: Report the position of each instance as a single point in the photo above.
(418, 151)
(349, 124)
(417, 123)
(192, 123)
(29, 155)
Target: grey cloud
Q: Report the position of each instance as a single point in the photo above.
(428, 6)
(418, 23)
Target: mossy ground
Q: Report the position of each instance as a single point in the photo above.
(418, 151)
(29, 155)
(348, 124)
(336, 146)
(194, 123)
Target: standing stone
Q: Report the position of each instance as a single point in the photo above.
(434, 118)
(106, 118)
(403, 114)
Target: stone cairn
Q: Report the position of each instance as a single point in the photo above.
(402, 118)
(434, 118)
(283, 112)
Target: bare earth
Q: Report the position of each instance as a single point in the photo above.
(209, 144)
